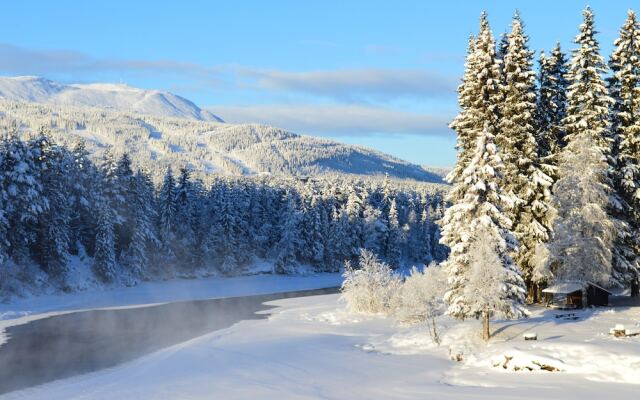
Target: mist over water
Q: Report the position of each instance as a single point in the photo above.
(66, 345)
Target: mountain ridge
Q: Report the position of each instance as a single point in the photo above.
(157, 141)
(114, 96)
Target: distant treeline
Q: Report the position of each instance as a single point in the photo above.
(56, 203)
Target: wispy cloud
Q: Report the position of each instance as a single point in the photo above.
(19, 60)
(336, 120)
(351, 85)
(356, 84)
(348, 111)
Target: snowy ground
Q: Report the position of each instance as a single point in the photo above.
(311, 348)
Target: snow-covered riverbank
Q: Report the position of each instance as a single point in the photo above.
(23, 310)
(166, 291)
(311, 348)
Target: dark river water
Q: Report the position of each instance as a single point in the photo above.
(79, 342)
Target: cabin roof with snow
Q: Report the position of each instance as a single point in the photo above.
(564, 288)
(599, 287)
(571, 287)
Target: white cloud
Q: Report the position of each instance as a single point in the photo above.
(345, 85)
(355, 84)
(22, 61)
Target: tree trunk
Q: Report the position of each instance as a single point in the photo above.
(530, 290)
(486, 333)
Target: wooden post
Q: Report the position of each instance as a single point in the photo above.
(486, 333)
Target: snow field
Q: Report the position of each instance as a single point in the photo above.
(313, 348)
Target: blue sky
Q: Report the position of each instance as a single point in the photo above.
(376, 73)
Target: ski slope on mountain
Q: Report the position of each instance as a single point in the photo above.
(112, 96)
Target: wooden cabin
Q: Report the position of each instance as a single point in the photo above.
(570, 295)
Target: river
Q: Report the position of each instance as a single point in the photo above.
(70, 344)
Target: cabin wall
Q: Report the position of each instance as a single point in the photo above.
(597, 297)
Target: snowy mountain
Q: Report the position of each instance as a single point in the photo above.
(157, 142)
(105, 95)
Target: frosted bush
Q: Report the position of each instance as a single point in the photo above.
(371, 287)
(420, 298)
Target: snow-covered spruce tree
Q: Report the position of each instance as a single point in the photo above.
(415, 238)
(425, 248)
(326, 222)
(105, 256)
(22, 194)
(335, 249)
(584, 233)
(524, 175)
(581, 249)
(503, 46)
(233, 249)
(110, 189)
(480, 214)
(624, 88)
(313, 248)
(124, 203)
(551, 105)
(4, 223)
(374, 229)
(53, 231)
(354, 210)
(143, 240)
(184, 247)
(587, 97)
(289, 244)
(167, 206)
(393, 237)
(82, 195)
(479, 97)
(463, 123)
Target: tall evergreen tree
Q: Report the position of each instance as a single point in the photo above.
(313, 247)
(4, 222)
(354, 209)
(479, 96)
(524, 176)
(374, 229)
(184, 247)
(393, 236)
(463, 123)
(23, 194)
(482, 96)
(167, 206)
(289, 243)
(105, 256)
(551, 105)
(82, 198)
(578, 198)
(587, 97)
(581, 248)
(123, 203)
(624, 88)
(53, 231)
(143, 238)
